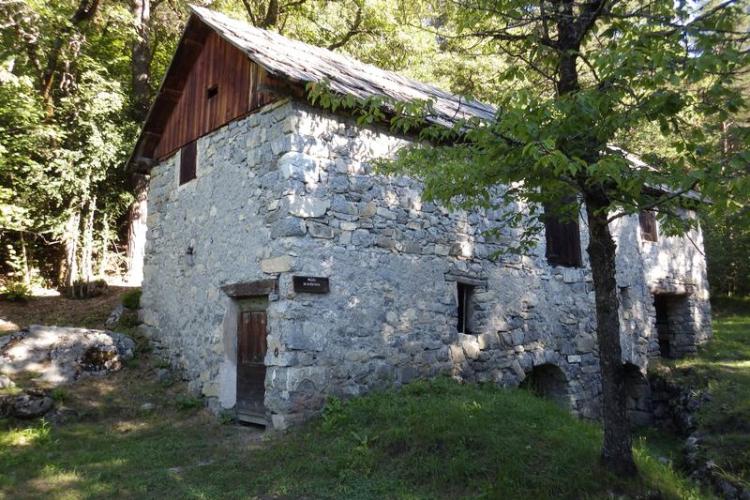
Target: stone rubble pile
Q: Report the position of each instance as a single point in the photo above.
(55, 356)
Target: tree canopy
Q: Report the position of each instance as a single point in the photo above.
(76, 80)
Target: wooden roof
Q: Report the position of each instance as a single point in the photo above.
(297, 63)
(302, 62)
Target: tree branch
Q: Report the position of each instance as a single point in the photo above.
(85, 12)
(353, 29)
(660, 201)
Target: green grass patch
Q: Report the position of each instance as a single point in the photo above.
(59, 394)
(187, 403)
(428, 440)
(723, 367)
(132, 299)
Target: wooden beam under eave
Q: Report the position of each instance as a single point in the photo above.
(198, 44)
(171, 94)
(186, 55)
(142, 164)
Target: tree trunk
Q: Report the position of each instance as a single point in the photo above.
(87, 252)
(141, 59)
(137, 231)
(272, 15)
(617, 455)
(104, 258)
(70, 239)
(25, 257)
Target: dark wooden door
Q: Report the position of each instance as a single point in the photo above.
(251, 351)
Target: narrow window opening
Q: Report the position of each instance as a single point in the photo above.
(187, 162)
(675, 327)
(647, 219)
(663, 330)
(465, 293)
(563, 240)
(212, 91)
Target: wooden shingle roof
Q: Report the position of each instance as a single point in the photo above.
(297, 63)
(303, 63)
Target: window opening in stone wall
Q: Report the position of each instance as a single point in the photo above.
(662, 326)
(548, 381)
(563, 240)
(647, 220)
(675, 325)
(465, 293)
(188, 155)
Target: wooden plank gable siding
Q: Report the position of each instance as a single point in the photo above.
(222, 85)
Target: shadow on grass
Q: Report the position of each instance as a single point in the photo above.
(723, 368)
(61, 311)
(428, 440)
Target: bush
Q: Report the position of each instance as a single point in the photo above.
(59, 394)
(227, 417)
(132, 299)
(17, 291)
(188, 402)
(129, 319)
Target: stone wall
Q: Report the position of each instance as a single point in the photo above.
(207, 233)
(290, 191)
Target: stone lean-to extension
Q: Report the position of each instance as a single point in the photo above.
(288, 191)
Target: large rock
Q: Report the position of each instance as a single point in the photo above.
(114, 316)
(61, 355)
(6, 382)
(31, 405)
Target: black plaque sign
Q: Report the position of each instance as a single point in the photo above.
(311, 284)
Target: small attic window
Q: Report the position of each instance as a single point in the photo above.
(212, 91)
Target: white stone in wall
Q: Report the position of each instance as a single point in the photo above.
(305, 206)
(279, 264)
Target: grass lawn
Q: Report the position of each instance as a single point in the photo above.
(427, 440)
(723, 367)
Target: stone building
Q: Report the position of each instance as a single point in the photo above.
(280, 270)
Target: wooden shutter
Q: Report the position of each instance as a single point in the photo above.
(647, 220)
(188, 155)
(563, 240)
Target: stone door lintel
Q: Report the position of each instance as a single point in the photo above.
(250, 288)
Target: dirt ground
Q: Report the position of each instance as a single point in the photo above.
(60, 311)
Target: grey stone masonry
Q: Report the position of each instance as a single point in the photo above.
(290, 191)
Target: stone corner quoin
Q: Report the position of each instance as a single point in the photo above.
(288, 191)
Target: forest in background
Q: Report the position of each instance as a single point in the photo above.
(77, 78)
